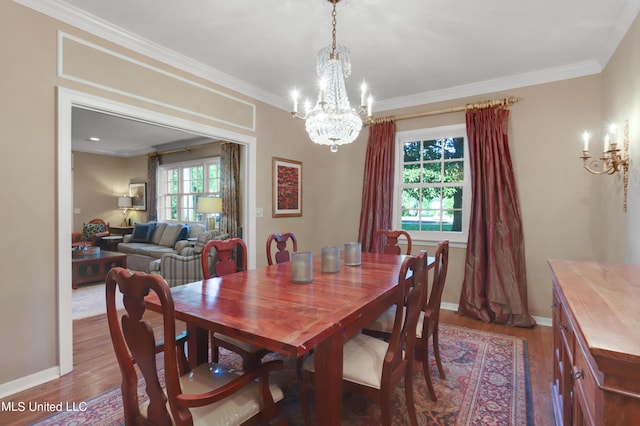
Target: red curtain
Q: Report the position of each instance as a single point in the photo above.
(495, 282)
(377, 186)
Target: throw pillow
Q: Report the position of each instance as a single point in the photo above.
(157, 234)
(170, 235)
(143, 232)
(91, 229)
(184, 232)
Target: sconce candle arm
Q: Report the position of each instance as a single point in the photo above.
(613, 160)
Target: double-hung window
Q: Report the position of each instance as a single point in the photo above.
(180, 185)
(432, 184)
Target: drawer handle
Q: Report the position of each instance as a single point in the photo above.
(553, 305)
(578, 374)
(564, 327)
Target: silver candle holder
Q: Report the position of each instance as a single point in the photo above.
(352, 254)
(302, 267)
(330, 259)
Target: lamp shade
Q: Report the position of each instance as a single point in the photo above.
(209, 205)
(124, 202)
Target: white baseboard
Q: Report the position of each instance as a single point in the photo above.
(544, 321)
(30, 381)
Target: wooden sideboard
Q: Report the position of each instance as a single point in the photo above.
(596, 343)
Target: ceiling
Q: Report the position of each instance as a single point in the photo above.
(409, 52)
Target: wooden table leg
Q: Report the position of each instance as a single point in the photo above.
(328, 380)
(198, 345)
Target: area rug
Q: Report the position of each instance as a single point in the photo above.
(89, 301)
(487, 383)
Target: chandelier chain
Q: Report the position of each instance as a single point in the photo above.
(334, 22)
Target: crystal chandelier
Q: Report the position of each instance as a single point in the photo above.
(332, 121)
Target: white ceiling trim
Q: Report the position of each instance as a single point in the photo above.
(94, 25)
(496, 85)
(98, 27)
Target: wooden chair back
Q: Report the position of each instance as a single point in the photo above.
(134, 342)
(282, 254)
(431, 318)
(413, 283)
(386, 241)
(432, 309)
(226, 251)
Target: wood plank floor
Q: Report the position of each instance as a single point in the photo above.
(96, 371)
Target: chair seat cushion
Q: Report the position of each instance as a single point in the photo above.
(248, 347)
(233, 410)
(362, 358)
(384, 323)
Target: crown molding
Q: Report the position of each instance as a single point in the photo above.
(73, 16)
(496, 85)
(106, 30)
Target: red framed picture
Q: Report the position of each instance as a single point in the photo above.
(287, 188)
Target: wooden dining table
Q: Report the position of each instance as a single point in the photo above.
(264, 307)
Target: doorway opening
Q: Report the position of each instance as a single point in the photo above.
(69, 99)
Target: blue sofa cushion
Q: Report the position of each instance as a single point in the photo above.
(143, 232)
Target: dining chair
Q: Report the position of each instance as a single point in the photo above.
(251, 354)
(281, 240)
(386, 241)
(226, 262)
(208, 394)
(373, 366)
(430, 318)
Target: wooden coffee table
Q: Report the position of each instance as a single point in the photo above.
(94, 267)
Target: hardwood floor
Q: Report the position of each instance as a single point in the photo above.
(96, 371)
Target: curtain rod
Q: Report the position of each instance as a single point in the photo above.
(169, 151)
(493, 103)
(183, 149)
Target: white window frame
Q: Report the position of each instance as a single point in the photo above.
(456, 239)
(163, 168)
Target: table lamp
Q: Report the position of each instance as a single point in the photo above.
(125, 204)
(207, 206)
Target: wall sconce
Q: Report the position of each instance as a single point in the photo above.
(613, 159)
(125, 204)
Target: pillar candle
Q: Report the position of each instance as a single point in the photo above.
(330, 259)
(352, 254)
(302, 267)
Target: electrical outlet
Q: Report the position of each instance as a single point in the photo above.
(259, 212)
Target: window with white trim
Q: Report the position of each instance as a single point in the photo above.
(180, 185)
(432, 184)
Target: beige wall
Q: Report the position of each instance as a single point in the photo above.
(620, 102)
(97, 182)
(559, 200)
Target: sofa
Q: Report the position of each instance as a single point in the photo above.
(149, 241)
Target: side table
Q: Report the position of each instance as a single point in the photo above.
(120, 230)
(110, 242)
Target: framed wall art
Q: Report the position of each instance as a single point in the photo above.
(138, 194)
(287, 188)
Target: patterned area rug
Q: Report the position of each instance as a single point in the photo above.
(487, 383)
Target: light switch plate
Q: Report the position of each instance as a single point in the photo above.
(259, 212)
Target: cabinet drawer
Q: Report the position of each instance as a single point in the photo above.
(567, 333)
(585, 387)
